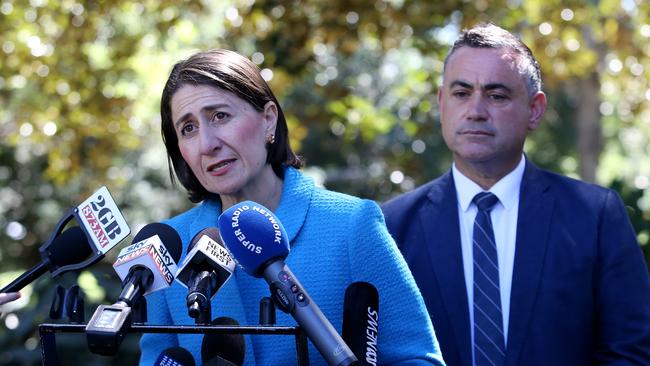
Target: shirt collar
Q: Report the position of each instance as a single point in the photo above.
(506, 189)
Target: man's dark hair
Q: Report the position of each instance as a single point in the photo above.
(487, 35)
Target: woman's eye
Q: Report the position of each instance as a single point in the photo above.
(187, 129)
(218, 116)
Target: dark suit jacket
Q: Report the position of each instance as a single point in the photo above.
(580, 288)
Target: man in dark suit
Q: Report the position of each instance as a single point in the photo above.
(543, 269)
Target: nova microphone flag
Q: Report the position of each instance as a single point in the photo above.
(259, 243)
(361, 321)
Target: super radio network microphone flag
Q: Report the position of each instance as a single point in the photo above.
(259, 243)
(100, 223)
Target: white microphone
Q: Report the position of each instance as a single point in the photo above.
(207, 266)
(144, 267)
(151, 254)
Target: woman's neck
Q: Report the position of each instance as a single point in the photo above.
(267, 193)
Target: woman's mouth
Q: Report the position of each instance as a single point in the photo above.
(220, 166)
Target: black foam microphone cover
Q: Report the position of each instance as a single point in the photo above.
(168, 236)
(69, 248)
(229, 347)
(175, 356)
(360, 321)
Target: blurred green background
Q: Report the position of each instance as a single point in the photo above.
(80, 83)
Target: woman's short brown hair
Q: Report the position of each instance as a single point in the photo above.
(232, 72)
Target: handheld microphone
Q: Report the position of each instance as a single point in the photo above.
(223, 349)
(175, 356)
(360, 321)
(101, 223)
(204, 270)
(144, 267)
(259, 243)
(148, 265)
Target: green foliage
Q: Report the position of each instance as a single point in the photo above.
(80, 83)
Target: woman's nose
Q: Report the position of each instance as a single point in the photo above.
(208, 139)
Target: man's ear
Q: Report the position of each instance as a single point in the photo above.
(537, 109)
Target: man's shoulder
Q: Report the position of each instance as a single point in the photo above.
(574, 187)
(416, 197)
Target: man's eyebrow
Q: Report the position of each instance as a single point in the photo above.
(486, 87)
(461, 83)
(494, 86)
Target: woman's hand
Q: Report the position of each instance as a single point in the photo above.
(9, 296)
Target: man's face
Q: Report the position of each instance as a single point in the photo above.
(485, 110)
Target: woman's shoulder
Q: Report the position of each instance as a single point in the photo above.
(301, 187)
(338, 202)
(185, 218)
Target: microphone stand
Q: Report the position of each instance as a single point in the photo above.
(27, 277)
(198, 297)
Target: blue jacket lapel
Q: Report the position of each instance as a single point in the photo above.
(533, 225)
(439, 220)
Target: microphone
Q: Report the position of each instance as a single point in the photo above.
(223, 349)
(144, 267)
(204, 270)
(259, 243)
(101, 223)
(175, 356)
(69, 247)
(360, 321)
(148, 265)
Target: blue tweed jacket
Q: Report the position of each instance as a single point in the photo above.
(335, 239)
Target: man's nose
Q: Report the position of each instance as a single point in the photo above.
(477, 108)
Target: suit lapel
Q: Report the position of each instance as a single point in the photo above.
(439, 221)
(533, 225)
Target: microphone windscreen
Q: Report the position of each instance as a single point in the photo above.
(70, 247)
(168, 236)
(210, 232)
(253, 235)
(360, 321)
(175, 356)
(230, 347)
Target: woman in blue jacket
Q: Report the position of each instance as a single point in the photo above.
(227, 141)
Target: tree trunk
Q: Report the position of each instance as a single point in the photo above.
(588, 125)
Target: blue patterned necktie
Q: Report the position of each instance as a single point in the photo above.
(489, 343)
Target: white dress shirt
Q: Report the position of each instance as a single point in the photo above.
(504, 222)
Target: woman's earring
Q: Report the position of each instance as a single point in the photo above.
(270, 138)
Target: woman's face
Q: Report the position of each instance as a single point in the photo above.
(223, 140)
